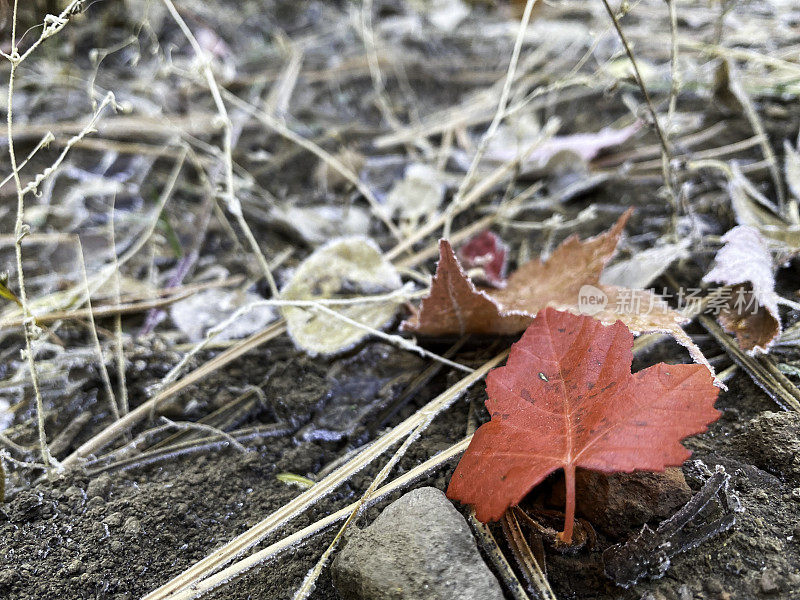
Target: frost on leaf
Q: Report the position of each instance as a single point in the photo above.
(578, 148)
(416, 196)
(346, 268)
(639, 271)
(750, 310)
(457, 306)
(566, 398)
(202, 311)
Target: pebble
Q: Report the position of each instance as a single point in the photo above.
(620, 503)
(96, 504)
(113, 520)
(132, 526)
(770, 582)
(8, 577)
(75, 568)
(99, 486)
(419, 548)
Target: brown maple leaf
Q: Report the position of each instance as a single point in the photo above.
(566, 398)
(568, 280)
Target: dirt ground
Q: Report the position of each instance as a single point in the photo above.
(128, 521)
(121, 534)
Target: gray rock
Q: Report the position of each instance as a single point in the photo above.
(99, 486)
(770, 582)
(772, 442)
(419, 548)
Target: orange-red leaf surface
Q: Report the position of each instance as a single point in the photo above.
(566, 398)
(456, 306)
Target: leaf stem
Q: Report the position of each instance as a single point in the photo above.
(569, 512)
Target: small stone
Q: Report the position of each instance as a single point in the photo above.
(27, 507)
(117, 547)
(715, 589)
(132, 526)
(75, 568)
(620, 503)
(74, 495)
(8, 577)
(654, 595)
(770, 582)
(99, 486)
(96, 504)
(713, 586)
(419, 548)
(113, 520)
(796, 494)
(772, 441)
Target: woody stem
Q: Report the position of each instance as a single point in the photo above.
(569, 511)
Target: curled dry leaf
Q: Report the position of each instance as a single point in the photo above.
(581, 146)
(5, 292)
(566, 398)
(750, 308)
(198, 313)
(485, 259)
(644, 267)
(568, 280)
(321, 223)
(417, 195)
(344, 268)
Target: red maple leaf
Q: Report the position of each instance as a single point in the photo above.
(566, 398)
(485, 257)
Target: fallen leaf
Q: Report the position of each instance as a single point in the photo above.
(750, 310)
(455, 306)
(566, 398)
(417, 195)
(446, 15)
(344, 268)
(725, 93)
(319, 224)
(568, 280)
(580, 147)
(485, 258)
(198, 313)
(644, 267)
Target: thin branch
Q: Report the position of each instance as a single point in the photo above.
(666, 154)
(232, 202)
(21, 229)
(458, 199)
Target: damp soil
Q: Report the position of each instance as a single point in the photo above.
(119, 534)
